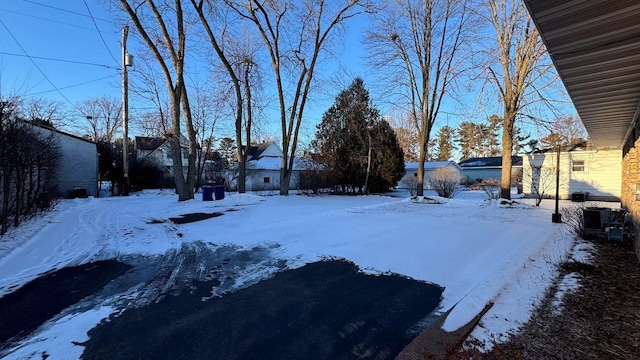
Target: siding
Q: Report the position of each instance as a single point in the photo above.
(78, 165)
(602, 175)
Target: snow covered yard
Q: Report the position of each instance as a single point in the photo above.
(478, 252)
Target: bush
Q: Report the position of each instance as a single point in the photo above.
(446, 182)
(573, 216)
(491, 187)
(411, 183)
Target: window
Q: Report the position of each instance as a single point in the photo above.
(578, 165)
(415, 174)
(266, 180)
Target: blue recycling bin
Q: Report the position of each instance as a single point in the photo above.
(219, 191)
(207, 193)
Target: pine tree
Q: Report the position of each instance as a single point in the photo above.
(359, 147)
(445, 147)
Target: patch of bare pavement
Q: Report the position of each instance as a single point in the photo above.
(323, 310)
(209, 301)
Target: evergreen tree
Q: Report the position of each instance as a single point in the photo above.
(444, 140)
(359, 147)
(491, 141)
(468, 139)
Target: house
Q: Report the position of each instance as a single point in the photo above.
(78, 164)
(595, 48)
(488, 168)
(157, 150)
(596, 172)
(411, 172)
(263, 165)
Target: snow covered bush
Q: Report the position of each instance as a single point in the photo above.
(446, 182)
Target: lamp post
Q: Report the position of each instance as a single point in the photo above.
(556, 217)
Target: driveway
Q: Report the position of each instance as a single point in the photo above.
(177, 307)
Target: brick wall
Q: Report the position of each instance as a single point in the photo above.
(630, 177)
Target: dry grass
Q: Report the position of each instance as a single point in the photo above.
(601, 320)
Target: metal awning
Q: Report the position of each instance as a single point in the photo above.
(595, 46)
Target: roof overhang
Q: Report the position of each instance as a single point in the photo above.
(595, 46)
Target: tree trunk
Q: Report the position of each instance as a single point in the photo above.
(366, 179)
(507, 146)
(242, 175)
(420, 175)
(285, 179)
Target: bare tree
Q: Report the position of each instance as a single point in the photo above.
(565, 130)
(102, 118)
(162, 27)
(541, 180)
(294, 34)
(48, 112)
(420, 44)
(517, 71)
(147, 84)
(237, 53)
(206, 112)
(406, 134)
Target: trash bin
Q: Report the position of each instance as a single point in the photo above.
(219, 191)
(207, 193)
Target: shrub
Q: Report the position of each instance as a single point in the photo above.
(411, 183)
(445, 181)
(573, 216)
(491, 187)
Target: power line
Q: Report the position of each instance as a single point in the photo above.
(65, 10)
(99, 32)
(60, 60)
(46, 19)
(75, 85)
(34, 63)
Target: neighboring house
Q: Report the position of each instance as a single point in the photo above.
(411, 172)
(156, 150)
(78, 165)
(487, 168)
(264, 162)
(598, 172)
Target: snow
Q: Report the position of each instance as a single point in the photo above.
(478, 250)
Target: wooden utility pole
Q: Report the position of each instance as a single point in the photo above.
(125, 114)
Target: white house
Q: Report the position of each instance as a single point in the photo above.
(411, 172)
(597, 172)
(264, 162)
(157, 150)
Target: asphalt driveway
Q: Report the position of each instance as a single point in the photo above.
(187, 306)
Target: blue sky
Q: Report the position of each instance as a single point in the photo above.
(82, 53)
(70, 51)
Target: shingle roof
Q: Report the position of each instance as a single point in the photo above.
(256, 150)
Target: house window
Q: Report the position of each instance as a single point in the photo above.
(578, 165)
(415, 174)
(266, 180)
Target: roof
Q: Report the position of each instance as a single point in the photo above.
(54, 130)
(148, 143)
(430, 165)
(256, 150)
(595, 46)
(491, 161)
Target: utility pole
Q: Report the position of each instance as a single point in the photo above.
(125, 114)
